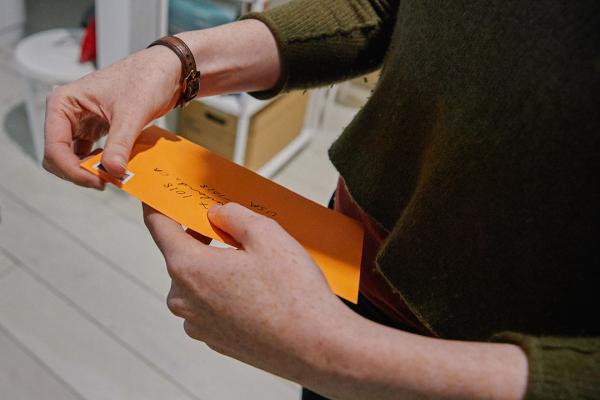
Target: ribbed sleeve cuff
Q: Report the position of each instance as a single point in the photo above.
(322, 42)
(559, 368)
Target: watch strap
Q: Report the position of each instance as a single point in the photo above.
(190, 76)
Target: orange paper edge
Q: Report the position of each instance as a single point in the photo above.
(182, 180)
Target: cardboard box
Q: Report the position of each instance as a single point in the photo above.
(367, 81)
(270, 130)
(355, 92)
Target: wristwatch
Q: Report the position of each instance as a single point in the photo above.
(190, 76)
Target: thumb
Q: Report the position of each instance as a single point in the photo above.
(121, 137)
(168, 235)
(245, 226)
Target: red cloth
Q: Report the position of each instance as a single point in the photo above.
(88, 42)
(373, 285)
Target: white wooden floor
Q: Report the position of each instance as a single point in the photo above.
(82, 286)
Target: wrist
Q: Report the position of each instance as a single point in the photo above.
(367, 360)
(332, 353)
(190, 76)
(361, 359)
(206, 56)
(238, 57)
(168, 66)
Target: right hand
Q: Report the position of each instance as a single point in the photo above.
(119, 101)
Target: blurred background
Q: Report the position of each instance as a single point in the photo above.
(82, 286)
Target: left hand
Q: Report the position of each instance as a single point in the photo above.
(266, 304)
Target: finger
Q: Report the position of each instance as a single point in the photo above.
(59, 158)
(168, 235)
(70, 168)
(92, 153)
(82, 147)
(194, 331)
(176, 301)
(91, 127)
(243, 225)
(221, 349)
(182, 252)
(122, 134)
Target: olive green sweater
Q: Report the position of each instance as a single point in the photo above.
(479, 150)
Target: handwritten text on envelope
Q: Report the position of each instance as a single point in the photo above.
(182, 180)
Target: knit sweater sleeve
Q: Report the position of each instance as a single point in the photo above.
(559, 367)
(322, 42)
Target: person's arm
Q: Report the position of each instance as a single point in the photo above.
(367, 360)
(233, 58)
(560, 367)
(303, 43)
(122, 98)
(323, 42)
(377, 362)
(268, 305)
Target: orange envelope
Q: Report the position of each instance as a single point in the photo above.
(182, 180)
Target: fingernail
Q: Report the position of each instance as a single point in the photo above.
(118, 160)
(121, 161)
(214, 208)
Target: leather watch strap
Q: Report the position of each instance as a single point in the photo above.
(190, 76)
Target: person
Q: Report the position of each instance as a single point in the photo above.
(473, 168)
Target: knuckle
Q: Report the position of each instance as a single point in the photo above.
(231, 206)
(270, 223)
(191, 331)
(49, 166)
(228, 208)
(217, 348)
(175, 266)
(175, 305)
(277, 226)
(187, 328)
(147, 220)
(124, 141)
(55, 94)
(46, 164)
(50, 98)
(264, 225)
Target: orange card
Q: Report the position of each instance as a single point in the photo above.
(182, 180)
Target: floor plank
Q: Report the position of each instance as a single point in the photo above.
(89, 218)
(140, 322)
(90, 361)
(25, 377)
(6, 265)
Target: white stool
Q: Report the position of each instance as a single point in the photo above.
(46, 59)
(12, 20)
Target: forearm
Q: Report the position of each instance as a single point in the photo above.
(368, 360)
(323, 42)
(237, 57)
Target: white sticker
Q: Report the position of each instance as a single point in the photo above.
(126, 177)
